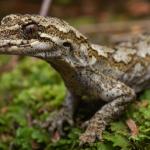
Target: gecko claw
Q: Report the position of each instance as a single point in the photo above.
(59, 125)
(90, 137)
(58, 121)
(87, 138)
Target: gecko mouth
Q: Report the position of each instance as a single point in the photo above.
(22, 47)
(26, 48)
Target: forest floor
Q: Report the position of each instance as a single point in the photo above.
(32, 90)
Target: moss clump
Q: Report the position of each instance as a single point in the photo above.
(31, 91)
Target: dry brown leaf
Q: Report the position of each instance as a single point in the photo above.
(4, 110)
(132, 126)
(56, 136)
(143, 103)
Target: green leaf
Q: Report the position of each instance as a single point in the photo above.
(146, 95)
(119, 127)
(118, 140)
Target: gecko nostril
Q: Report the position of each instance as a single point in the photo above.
(67, 44)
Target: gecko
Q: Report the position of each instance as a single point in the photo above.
(91, 72)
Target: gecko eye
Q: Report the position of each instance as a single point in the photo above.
(30, 30)
(67, 45)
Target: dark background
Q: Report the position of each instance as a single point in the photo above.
(100, 10)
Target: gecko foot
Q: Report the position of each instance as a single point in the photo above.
(90, 137)
(59, 121)
(92, 133)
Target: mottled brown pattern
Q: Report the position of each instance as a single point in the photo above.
(91, 73)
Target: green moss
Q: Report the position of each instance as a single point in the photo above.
(32, 90)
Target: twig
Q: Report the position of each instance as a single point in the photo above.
(45, 7)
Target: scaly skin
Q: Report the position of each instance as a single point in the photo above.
(90, 72)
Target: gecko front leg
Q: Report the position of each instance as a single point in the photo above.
(64, 115)
(118, 95)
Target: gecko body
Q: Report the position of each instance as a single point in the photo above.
(91, 72)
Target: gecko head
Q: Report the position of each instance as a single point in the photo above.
(44, 37)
